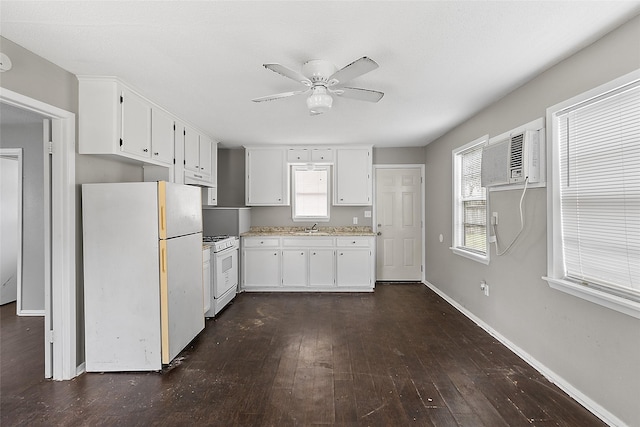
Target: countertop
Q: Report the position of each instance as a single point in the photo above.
(300, 231)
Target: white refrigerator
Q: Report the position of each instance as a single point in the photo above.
(143, 289)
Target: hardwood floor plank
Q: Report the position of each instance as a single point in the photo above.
(398, 356)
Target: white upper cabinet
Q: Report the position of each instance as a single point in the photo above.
(297, 155)
(114, 119)
(267, 181)
(322, 155)
(353, 185)
(205, 155)
(191, 150)
(135, 135)
(162, 136)
(200, 158)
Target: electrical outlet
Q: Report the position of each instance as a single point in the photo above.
(367, 214)
(494, 218)
(355, 220)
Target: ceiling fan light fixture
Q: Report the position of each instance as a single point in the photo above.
(319, 101)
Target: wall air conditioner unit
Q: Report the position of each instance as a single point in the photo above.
(512, 160)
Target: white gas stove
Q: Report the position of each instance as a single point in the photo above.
(224, 262)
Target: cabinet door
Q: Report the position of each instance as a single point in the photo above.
(162, 136)
(321, 267)
(191, 150)
(136, 125)
(353, 184)
(353, 267)
(266, 181)
(261, 267)
(322, 155)
(295, 155)
(294, 267)
(205, 156)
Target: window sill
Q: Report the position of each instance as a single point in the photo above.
(470, 255)
(604, 299)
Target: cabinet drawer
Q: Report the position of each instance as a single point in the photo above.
(312, 242)
(255, 242)
(353, 242)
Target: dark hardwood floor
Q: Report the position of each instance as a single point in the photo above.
(400, 356)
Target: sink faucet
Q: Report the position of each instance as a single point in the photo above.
(313, 229)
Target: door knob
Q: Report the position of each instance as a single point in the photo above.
(379, 233)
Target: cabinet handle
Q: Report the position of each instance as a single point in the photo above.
(342, 200)
(314, 253)
(155, 154)
(301, 253)
(341, 253)
(275, 253)
(146, 150)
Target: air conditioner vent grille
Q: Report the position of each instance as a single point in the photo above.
(516, 151)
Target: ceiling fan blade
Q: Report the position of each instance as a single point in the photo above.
(288, 72)
(279, 95)
(353, 70)
(359, 94)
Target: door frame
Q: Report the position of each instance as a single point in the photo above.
(422, 205)
(60, 297)
(16, 153)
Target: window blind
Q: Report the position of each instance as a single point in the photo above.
(600, 190)
(474, 215)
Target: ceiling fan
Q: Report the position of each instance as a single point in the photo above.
(323, 79)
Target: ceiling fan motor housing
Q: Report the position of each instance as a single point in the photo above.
(318, 70)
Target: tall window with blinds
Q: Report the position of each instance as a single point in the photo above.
(470, 204)
(595, 239)
(599, 144)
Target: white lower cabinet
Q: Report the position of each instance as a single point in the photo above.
(261, 268)
(353, 267)
(321, 267)
(294, 267)
(308, 264)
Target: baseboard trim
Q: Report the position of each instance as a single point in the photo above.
(31, 313)
(81, 368)
(556, 379)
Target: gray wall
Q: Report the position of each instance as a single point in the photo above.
(397, 156)
(593, 348)
(231, 177)
(42, 80)
(26, 132)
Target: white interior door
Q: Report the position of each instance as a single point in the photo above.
(10, 223)
(399, 223)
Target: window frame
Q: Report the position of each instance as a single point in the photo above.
(458, 210)
(310, 167)
(556, 277)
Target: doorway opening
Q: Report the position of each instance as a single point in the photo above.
(58, 232)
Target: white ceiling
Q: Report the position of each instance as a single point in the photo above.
(440, 61)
